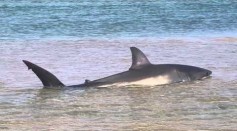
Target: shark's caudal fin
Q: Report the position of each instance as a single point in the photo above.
(47, 78)
(139, 59)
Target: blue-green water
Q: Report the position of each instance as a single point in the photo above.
(78, 40)
(77, 19)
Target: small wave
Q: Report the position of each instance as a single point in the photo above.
(225, 39)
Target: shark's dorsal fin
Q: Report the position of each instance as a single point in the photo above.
(47, 78)
(139, 59)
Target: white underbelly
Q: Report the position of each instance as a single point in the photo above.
(151, 81)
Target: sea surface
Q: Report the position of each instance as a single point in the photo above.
(90, 39)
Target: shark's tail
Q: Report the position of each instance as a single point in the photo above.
(47, 78)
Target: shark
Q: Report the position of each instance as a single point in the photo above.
(141, 73)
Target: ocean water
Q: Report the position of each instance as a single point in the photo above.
(78, 40)
(77, 19)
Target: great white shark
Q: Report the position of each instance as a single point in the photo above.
(141, 73)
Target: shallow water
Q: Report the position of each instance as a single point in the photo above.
(78, 40)
(209, 104)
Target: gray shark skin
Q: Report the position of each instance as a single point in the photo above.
(141, 73)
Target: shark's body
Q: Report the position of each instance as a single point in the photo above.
(142, 72)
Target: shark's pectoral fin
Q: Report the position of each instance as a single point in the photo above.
(47, 78)
(87, 81)
(139, 59)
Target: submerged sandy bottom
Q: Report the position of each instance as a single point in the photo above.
(209, 104)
